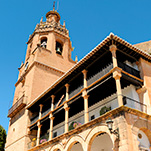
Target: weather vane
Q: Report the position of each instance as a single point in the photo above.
(54, 6)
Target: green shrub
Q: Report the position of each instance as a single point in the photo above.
(104, 110)
(2, 138)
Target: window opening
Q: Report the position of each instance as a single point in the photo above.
(44, 43)
(26, 66)
(124, 100)
(55, 134)
(92, 117)
(58, 48)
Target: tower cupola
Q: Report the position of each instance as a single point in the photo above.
(53, 16)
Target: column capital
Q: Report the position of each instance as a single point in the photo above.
(65, 105)
(141, 90)
(112, 48)
(84, 71)
(51, 116)
(41, 105)
(67, 85)
(85, 96)
(52, 96)
(39, 125)
(117, 73)
(84, 92)
(67, 108)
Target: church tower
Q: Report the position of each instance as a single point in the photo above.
(48, 57)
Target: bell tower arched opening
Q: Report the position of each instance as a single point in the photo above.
(43, 42)
(59, 48)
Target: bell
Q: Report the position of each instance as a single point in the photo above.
(58, 50)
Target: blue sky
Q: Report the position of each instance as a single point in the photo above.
(89, 22)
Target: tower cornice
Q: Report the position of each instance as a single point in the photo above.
(42, 29)
(40, 64)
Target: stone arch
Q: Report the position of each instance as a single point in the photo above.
(96, 131)
(74, 139)
(143, 125)
(57, 147)
(143, 140)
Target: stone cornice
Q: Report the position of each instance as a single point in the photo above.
(42, 30)
(113, 113)
(40, 64)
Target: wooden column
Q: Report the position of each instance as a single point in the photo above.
(38, 133)
(67, 109)
(85, 78)
(67, 91)
(86, 111)
(51, 126)
(66, 117)
(40, 111)
(85, 96)
(52, 102)
(113, 49)
(117, 75)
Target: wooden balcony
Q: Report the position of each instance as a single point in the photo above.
(20, 104)
(129, 69)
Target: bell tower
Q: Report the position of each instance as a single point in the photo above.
(48, 57)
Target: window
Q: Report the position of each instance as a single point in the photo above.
(58, 48)
(124, 100)
(26, 66)
(92, 117)
(44, 42)
(54, 134)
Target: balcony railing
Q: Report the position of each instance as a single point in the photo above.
(129, 69)
(20, 104)
(34, 119)
(99, 74)
(95, 111)
(127, 101)
(75, 91)
(46, 112)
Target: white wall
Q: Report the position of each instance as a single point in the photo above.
(143, 141)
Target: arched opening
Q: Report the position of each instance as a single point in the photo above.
(58, 48)
(76, 146)
(43, 42)
(101, 142)
(144, 143)
(57, 150)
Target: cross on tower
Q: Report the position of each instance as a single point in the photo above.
(54, 6)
